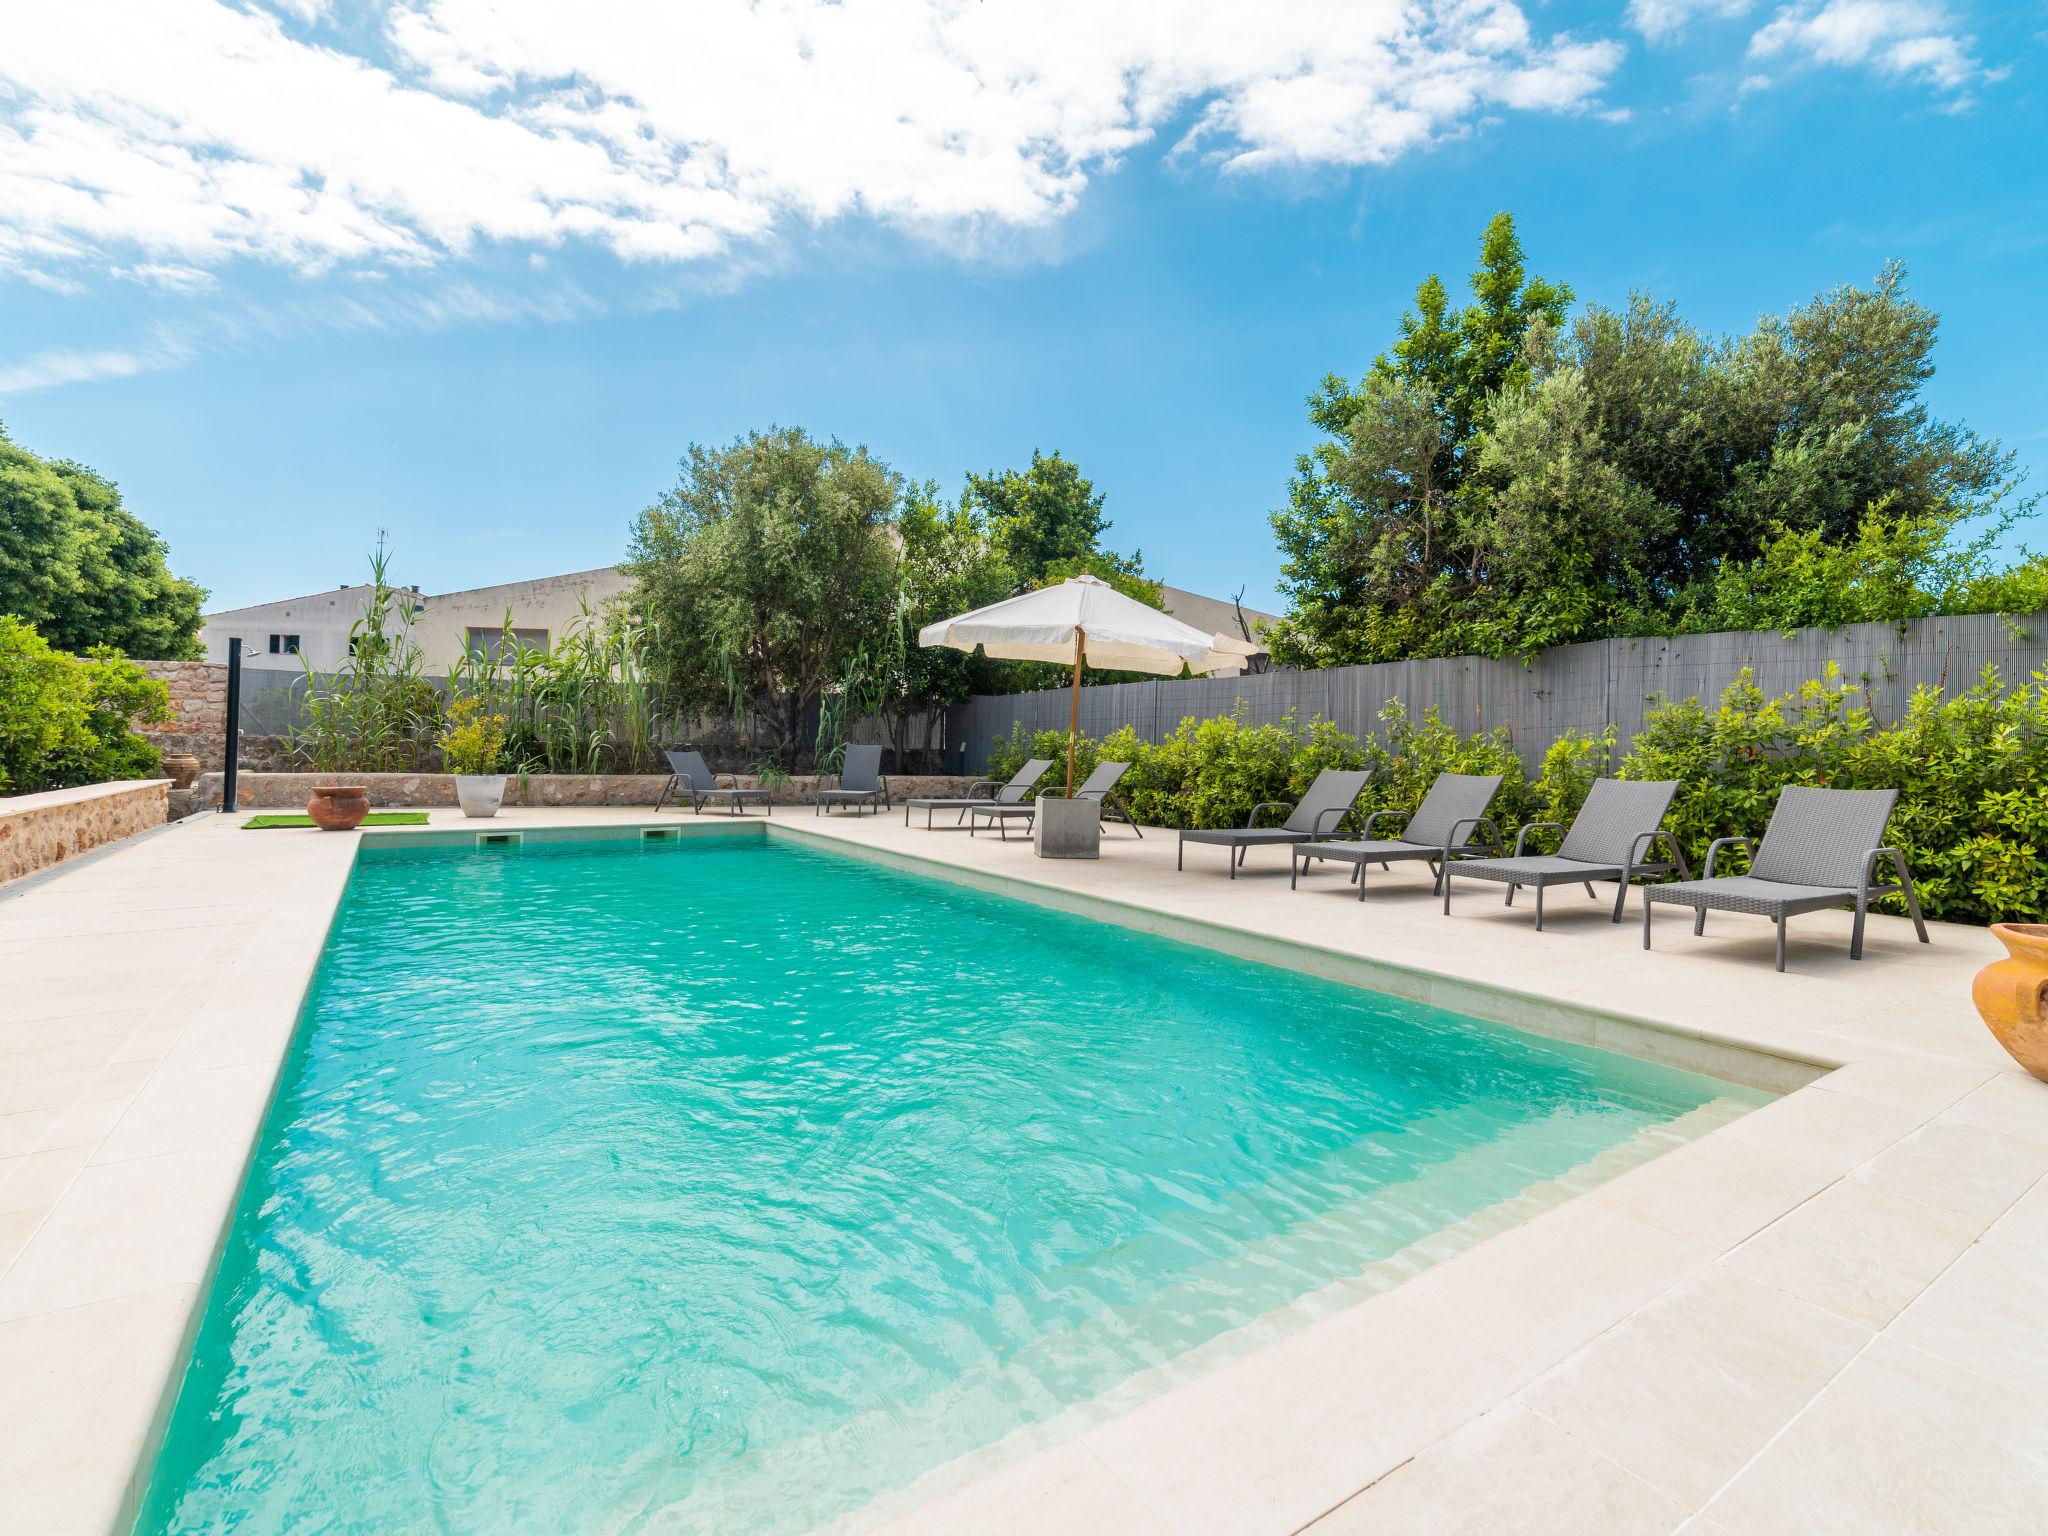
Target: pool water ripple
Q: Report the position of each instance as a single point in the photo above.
(725, 1185)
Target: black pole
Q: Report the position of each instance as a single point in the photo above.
(234, 746)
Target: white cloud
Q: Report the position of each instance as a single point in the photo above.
(46, 370)
(174, 136)
(1665, 20)
(169, 277)
(1905, 39)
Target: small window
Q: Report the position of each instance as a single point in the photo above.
(492, 643)
(284, 645)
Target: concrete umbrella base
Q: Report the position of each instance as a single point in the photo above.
(1067, 829)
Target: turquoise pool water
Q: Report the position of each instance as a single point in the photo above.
(721, 1186)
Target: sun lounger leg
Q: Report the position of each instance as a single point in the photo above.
(1539, 909)
(1647, 904)
(1781, 941)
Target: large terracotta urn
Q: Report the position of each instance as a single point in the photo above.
(338, 807)
(2012, 994)
(182, 769)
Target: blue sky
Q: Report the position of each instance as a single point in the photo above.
(1154, 297)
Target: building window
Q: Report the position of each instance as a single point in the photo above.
(284, 645)
(492, 643)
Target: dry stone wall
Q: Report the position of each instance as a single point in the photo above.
(291, 791)
(198, 726)
(39, 830)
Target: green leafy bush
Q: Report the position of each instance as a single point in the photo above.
(1211, 773)
(64, 720)
(1971, 771)
(472, 742)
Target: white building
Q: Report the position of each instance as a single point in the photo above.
(313, 630)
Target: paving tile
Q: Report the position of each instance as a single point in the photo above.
(16, 1228)
(1538, 1292)
(183, 1111)
(1831, 1128)
(1509, 1472)
(84, 1124)
(1985, 1313)
(39, 1179)
(1688, 1389)
(2012, 1104)
(1912, 1082)
(1273, 1441)
(23, 1133)
(78, 1391)
(1903, 1444)
(44, 1090)
(1973, 1172)
(1065, 1489)
(125, 1228)
(1858, 1250)
(1716, 1191)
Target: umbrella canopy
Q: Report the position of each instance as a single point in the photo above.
(1049, 625)
(1081, 619)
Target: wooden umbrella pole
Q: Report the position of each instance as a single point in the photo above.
(1074, 717)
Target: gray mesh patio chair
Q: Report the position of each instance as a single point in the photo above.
(688, 774)
(860, 785)
(1610, 839)
(1440, 830)
(980, 792)
(1318, 813)
(1819, 851)
(1099, 786)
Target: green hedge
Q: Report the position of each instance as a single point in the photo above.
(64, 719)
(1972, 772)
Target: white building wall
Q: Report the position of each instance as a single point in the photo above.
(440, 626)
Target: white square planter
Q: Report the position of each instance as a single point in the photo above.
(1067, 829)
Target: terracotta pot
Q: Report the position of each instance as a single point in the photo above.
(2012, 994)
(338, 807)
(183, 771)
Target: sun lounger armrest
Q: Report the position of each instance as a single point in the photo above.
(1522, 837)
(1714, 851)
(1375, 816)
(1898, 859)
(990, 787)
(1265, 805)
(1341, 812)
(1451, 843)
(1639, 853)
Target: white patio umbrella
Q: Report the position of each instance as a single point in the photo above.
(1082, 619)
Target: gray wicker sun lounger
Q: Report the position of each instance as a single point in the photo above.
(1099, 786)
(1317, 814)
(980, 792)
(860, 785)
(688, 775)
(1441, 829)
(1817, 852)
(1610, 839)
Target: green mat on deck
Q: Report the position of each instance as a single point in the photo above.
(374, 819)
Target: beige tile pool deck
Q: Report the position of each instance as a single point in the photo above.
(1830, 1315)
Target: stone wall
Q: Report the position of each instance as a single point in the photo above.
(37, 831)
(199, 709)
(290, 791)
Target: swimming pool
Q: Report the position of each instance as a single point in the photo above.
(727, 1184)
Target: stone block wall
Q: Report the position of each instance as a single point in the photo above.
(290, 791)
(199, 709)
(44, 829)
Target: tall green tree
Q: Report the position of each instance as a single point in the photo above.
(82, 568)
(1046, 524)
(1618, 474)
(765, 569)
